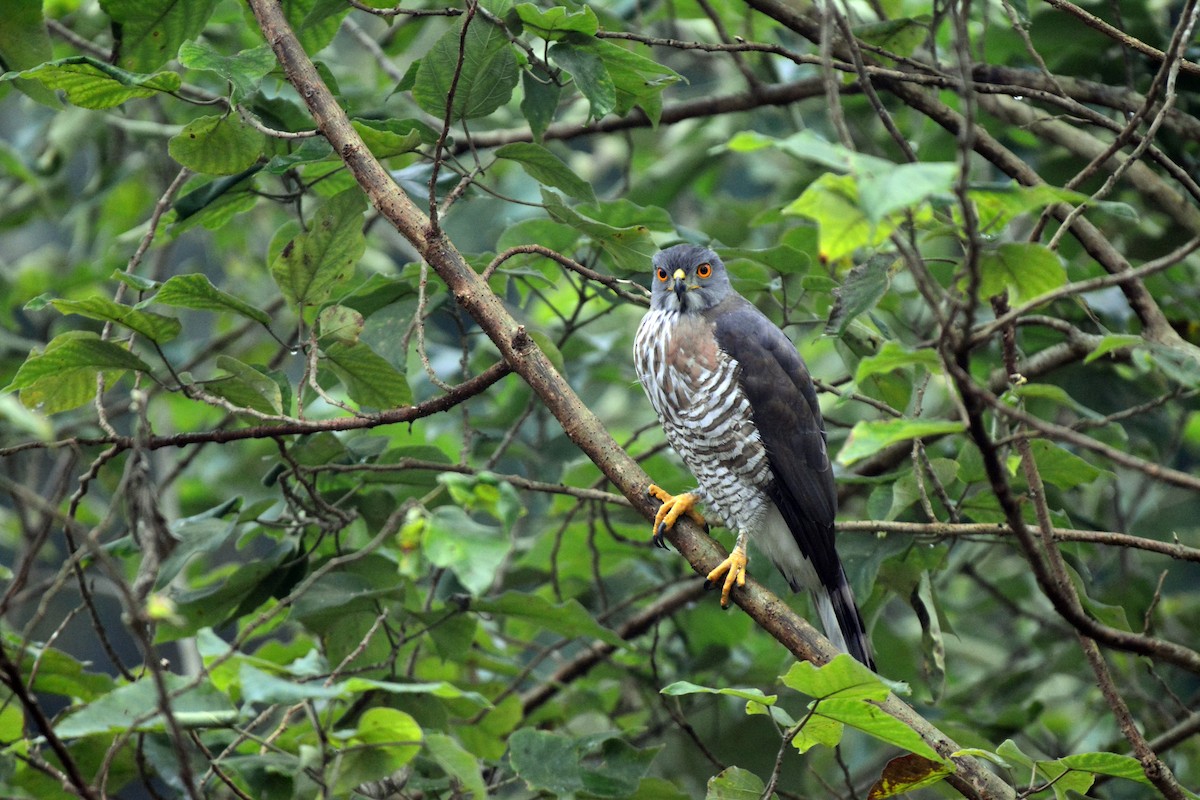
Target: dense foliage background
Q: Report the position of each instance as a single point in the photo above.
(296, 503)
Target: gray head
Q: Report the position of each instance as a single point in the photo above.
(688, 278)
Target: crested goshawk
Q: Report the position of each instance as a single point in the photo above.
(737, 403)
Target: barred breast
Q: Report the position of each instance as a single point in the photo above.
(693, 387)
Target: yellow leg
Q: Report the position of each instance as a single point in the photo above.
(673, 507)
(733, 568)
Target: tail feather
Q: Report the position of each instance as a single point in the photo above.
(842, 621)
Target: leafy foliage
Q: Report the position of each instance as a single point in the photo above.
(279, 520)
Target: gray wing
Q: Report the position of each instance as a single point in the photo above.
(785, 410)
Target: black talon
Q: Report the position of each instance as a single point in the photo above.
(709, 585)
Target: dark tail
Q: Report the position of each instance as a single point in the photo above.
(842, 621)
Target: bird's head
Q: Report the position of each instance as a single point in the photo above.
(688, 278)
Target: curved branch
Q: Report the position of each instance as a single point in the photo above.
(578, 422)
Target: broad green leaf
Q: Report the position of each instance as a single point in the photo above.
(58, 673)
(391, 137)
(865, 284)
(485, 82)
(247, 387)
(591, 75)
(149, 34)
(566, 619)
(202, 533)
(63, 376)
(1111, 342)
(24, 43)
(545, 761)
(196, 291)
(555, 23)
(686, 687)
(637, 80)
(263, 688)
(1062, 468)
(315, 262)
(818, 730)
(154, 327)
(734, 783)
(457, 763)
(611, 767)
(115, 712)
(244, 70)
(874, 721)
(546, 168)
(216, 201)
(893, 356)
(997, 206)
(843, 677)
(539, 100)
(1111, 764)
(1024, 269)
(217, 145)
(369, 378)
(89, 83)
(783, 258)
(439, 689)
(901, 36)
(310, 151)
(869, 437)
(384, 742)
(923, 600)
(316, 22)
(832, 201)
(471, 550)
(339, 324)
(902, 186)
(629, 248)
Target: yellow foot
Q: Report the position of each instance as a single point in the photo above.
(734, 570)
(673, 507)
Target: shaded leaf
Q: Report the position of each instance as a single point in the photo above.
(196, 291)
(539, 101)
(244, 70)
(89, 83)
(217, 145)
(117, 711)
(63, 376)
(555, 23)
(471, 550)
(148, 34)
(865, 284)
(893, 356)
(24, 43)
(869, 437)
(734, 783)
(1111, 342)
(314, 262)
(369, 378)
(547, 168)
(155, 327)
(463, 767)
(247, 387)
(679, 688)
(591, 75)
(566, 619)
(487, 78)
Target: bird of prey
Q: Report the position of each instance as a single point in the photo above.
(737, 403)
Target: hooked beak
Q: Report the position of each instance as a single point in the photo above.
(679, 285)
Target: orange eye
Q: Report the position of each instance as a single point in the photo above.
(704, 270)
(661, 274)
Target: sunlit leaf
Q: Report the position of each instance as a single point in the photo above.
(89, 83)
(217, 145)
(869, 437)
(196, 291)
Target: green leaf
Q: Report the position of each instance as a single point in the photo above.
(392, 738)
(539, 101)
(115, 712)
(339, 324)
(244, 70)
(487, 78)
(63, 376)
(637, 80)
(217, 145)
(1062, 468)
(734, 783)
(263, 688)
(89, 83)
(902, 186)
(783, 258)
(869, 437)
(391, 137)
(1111, 342)
(818, 730)
(591, 75)
(893, 356)
(901, 36)
(24, 43)
(155, 327)
(832, 201)
(629, 248)
(247, 387)
(1024, 269)
(843, 677)
(315, 262)
(874, 721)
(457, 763)
(57, 673)
(196, 291)
(554, 23)
(369, 378)
(1111, 764)
(568, 619)
(686, 687)
(201, 533)
(148, 34)
(471, 550)
(545, 761)
(547, 168)
(865, 285)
